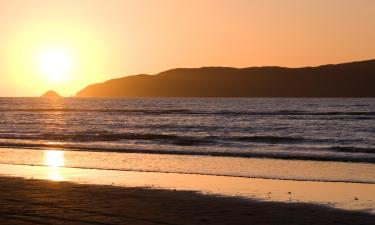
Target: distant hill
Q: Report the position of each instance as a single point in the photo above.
(356, 79)
(51, 94)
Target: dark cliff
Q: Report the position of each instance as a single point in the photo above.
(356, 79)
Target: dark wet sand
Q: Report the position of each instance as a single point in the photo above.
(47, 202)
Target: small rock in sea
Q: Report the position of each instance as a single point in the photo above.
(356, 198)
(289, 192)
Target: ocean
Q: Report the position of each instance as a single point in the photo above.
(305, 129)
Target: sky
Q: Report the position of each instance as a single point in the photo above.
(66, 45)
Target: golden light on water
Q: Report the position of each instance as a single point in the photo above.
(54, 159)
(55, 175)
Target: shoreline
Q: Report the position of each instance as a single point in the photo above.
(205, 174)
(348, 196)
(262, 168)
(25, 201)
(334, 185)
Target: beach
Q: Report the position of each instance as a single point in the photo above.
(50, 202)
(187, 161)
(187, 112)
(58, 195)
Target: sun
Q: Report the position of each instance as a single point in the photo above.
(56, 64)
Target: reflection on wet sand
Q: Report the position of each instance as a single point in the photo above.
(54, 159)
(351, 196)
(62, 166)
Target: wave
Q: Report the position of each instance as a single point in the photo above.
(352, 149)
(160, 138)
(187, 111)
(310, 156)
(111, 137)
(270, 139)
(145, 111)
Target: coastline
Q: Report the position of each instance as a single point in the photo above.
(339, 195)
(53, 191)
(49, 202)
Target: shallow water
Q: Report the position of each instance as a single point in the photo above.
(298, 170)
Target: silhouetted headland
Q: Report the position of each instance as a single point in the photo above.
(51, 94)
(355, 79)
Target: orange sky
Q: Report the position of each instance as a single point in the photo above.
(114, 38)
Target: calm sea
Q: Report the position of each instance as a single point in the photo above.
(308, 129)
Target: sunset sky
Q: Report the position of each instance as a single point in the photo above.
(67, 44)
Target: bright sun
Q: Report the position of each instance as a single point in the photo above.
(56, 64)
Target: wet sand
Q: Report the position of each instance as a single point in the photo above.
(25, 201)
(349, 196)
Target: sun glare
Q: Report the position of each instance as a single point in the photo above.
(54, 158)
(56, 64)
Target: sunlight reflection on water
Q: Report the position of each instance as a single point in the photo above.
(54, 160)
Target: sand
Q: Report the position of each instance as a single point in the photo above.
(25, 201)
